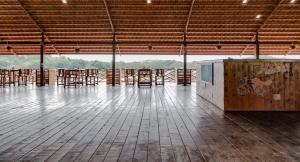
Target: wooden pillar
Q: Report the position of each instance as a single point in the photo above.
(184, 60)
(42, 43)
(113, 59)
(257, 46)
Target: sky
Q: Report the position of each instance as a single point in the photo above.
(132, 58)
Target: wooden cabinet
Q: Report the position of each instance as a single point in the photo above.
(253, 85)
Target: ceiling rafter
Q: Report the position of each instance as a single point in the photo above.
(276, 6)
(37, 25)
(187, 23)
(162, 21)
(111, 23)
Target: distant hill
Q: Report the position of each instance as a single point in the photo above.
(65, 62)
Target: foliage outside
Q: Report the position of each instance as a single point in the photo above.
(17, 62)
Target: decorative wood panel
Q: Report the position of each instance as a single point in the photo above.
(262, 85)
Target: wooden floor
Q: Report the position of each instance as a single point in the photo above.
(124, 123)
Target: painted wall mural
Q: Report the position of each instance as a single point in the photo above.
(260, 82)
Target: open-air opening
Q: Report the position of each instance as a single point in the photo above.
(149, 80)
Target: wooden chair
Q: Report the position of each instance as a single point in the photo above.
(5, 78)
(144, 77)
(80, 76)
(31, 76)
(60, 77)
(109, 76)
(14, 75)
(38, 77)
(159, 77)
(91, 76)
(180, 76)
(129, 76)
(23, 76)
(71, 78)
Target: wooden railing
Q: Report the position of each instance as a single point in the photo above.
(170, 75)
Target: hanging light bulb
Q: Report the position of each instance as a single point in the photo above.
(219, 46)
(150, 47)
(292, 46)
(245, 1)
(77, 49)
(8, 47)
(258, 16)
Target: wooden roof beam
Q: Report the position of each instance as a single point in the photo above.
(36, 24)
(187, 22)
(263, 24)
(111, 23)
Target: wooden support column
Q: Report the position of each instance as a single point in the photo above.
(257, 46)
(42, 78)
(113, 59)
(184, 59)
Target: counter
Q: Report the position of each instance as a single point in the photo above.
(250, 85)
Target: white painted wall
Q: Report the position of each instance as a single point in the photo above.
(213, 93)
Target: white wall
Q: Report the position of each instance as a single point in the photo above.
(213, 93)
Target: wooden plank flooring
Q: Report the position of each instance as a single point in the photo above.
(125, 123)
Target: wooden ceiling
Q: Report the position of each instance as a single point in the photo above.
(83, 21)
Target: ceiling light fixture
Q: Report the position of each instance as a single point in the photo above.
(245, 1)
(292, 46)
(219, 46)
(258, 16)
(64, 1)
(149, 1)
(77, 49)
(293, 1)
(150, 47)
(8, 48)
